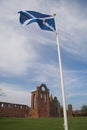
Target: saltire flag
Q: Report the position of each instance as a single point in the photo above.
(45, 22)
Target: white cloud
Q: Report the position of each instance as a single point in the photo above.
(72, 29)
(14, 94)
(15, 53)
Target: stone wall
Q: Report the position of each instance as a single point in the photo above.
(13, 110)
(55, 108)
(42, 105)
(40, 102)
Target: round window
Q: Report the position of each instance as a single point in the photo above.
(43, 88)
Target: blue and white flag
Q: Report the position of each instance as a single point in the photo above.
(45, 22)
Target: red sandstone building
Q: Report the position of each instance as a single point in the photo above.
(42, 105)
(13, 110)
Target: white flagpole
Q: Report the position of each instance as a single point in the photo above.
(61, 78)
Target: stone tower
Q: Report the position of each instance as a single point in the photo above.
(70, 111)
(40, 102)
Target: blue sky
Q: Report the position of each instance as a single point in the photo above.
(28, 55)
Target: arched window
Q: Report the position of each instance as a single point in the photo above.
(21, 107)
(2, 105)
(9, 105)
(56, 110)
(41, 95)
(34, 101)
(45, 98)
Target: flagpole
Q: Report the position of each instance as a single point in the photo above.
(61, 78)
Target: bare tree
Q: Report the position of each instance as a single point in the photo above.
(1, 92)
(84, 108)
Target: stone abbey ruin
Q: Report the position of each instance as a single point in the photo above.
(42, 105)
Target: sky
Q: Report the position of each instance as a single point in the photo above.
(28, 55)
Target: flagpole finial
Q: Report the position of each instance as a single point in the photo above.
(54, 14)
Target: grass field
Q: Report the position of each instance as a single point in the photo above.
(77, 123)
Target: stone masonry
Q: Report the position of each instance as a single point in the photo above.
(42, 105)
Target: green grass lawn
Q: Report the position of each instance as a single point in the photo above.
(77, 123)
